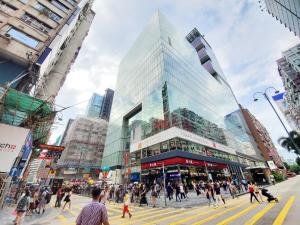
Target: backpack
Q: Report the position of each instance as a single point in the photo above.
(22, 203)
(251, 189)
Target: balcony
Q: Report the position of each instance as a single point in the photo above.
(35, 23)
(8, 9)
(198, 44)
(209, 67)
(203, 56)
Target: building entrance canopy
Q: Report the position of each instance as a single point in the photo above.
(183, 161)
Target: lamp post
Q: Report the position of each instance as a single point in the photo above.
(265, 95)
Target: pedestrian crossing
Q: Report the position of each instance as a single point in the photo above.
(236, 211)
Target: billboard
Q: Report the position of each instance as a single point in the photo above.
(12, 140)
(50, 152)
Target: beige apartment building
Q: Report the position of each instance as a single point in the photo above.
(39, 41)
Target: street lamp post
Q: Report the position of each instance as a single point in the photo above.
(265, 94)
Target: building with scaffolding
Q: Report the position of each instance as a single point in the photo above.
(39, 41)
(84, 145)
(21, 110)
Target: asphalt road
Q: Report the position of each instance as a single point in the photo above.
(237, 211)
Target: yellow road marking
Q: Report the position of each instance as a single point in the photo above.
(283, 213)
(203, 213)
(149, 217)
(144, 212)
(61, 218)
(219, 214)
(239, 214)
(261, 213)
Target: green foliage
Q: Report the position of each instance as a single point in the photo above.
(298, 161)
(287, 166)
(278, 176)
(288, 142)
(295, 168)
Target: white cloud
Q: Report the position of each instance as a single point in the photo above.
(245, 40)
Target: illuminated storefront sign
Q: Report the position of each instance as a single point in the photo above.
(183, 161)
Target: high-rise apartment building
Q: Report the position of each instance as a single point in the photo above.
(288, 68)
(287, 12)
(106, 104)
(94, 106)
(281, 103)
(262, 138)
(170, 109)
(39, 40)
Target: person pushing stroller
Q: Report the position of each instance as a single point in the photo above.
(270, 197)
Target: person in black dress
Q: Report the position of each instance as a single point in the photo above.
(67, 200)
(143, 199)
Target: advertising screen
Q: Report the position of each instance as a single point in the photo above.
(12, 140)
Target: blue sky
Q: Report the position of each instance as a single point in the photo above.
(245, 40)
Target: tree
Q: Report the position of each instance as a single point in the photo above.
(287, 142)
(287, 166)
(298, 161)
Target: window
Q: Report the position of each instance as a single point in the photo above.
(47, 12)
(36, 23)
(73, 2)
(59, 5)
(23, 1)
(24, 38)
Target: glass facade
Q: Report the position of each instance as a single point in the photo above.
(161, 84)
(287, 12)
(94, 106)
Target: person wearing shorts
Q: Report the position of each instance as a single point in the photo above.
(22, 207)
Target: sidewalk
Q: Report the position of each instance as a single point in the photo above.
(7, 217)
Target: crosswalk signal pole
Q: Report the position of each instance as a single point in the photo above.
(164, 184)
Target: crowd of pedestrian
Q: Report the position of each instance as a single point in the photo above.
(34, 200)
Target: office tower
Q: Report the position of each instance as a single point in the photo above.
(286, 12)
(169, 110)
(288, 68)
(84, 143)
(262, 138)
(39, 41)
(106, 104)
(94, 106)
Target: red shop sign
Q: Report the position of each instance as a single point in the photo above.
(183, 161)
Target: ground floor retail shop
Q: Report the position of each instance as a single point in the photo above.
(188, 168)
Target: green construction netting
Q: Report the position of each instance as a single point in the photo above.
(20, 109)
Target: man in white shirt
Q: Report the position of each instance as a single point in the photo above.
(104, 196)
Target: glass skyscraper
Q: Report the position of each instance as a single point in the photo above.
(168, 106)
(94, 106)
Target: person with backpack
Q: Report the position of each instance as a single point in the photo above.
(22, 207)
(42, 200)
(251, 191)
